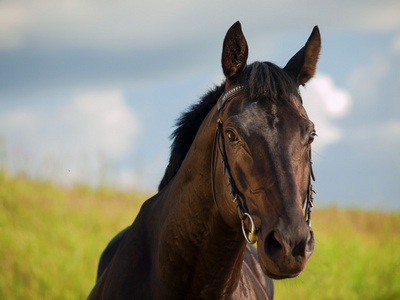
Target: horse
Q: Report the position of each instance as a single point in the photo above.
(239, 173)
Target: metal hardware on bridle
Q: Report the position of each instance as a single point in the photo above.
(252, 235)
(219, 144)
(228, 95)
(310, 195)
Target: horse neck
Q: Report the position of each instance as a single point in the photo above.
(198, 252)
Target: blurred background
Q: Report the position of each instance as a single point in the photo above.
(90, 90)
(89, 95)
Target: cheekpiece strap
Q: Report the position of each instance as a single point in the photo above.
(310, 195)
(228, 95)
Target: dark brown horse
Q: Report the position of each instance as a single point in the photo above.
(240, 169)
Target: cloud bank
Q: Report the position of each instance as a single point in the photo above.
(73, 142)
(122, 23)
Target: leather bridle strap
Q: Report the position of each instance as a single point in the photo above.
(310, 195)
(219, 145)
(222, 152)
(227, 96)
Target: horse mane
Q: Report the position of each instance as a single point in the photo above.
(265, 80)
(261, 80)
(186, 130)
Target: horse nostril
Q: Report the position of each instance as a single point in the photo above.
(299, 249)
(305, 247)
(273, 246)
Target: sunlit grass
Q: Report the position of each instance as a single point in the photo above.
(51, 239)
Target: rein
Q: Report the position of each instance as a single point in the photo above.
(219, 145)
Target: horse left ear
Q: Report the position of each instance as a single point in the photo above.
(302, 65)
(234, 51)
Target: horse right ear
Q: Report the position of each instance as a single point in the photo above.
(234, 52)
(301, 67)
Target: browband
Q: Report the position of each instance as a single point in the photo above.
(228, 95)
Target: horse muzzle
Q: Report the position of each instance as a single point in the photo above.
(284, 253)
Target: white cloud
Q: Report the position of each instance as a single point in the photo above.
(12, 19)
(76, 142)
(324, 103)
(20, 120)
(77, 23)
(392, 130)
(396, 45)
(100, 120)
(382, 16)
(121, 23)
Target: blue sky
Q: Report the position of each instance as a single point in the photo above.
(90, 90)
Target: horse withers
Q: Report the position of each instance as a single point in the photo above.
(239, 172)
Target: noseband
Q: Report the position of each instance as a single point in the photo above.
(219, 144)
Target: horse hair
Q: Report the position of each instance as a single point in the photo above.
(261, 80)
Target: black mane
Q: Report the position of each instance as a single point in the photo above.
(186, 130)
(260, 81)
(265, 80)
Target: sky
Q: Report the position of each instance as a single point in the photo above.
(90, 90)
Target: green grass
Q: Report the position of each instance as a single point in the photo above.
(51, 239)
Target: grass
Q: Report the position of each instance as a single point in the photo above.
(51, 239)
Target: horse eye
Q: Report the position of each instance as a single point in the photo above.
(232, 137)
(312, 136)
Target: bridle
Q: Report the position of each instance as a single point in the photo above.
(310, 195)
(219, 148)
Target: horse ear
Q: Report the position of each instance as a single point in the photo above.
(234, 51)
(302, 65)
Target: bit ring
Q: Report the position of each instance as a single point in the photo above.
(252, 238)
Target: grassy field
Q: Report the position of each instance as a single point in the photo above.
(51, 239)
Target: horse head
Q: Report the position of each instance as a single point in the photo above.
(264, 137)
